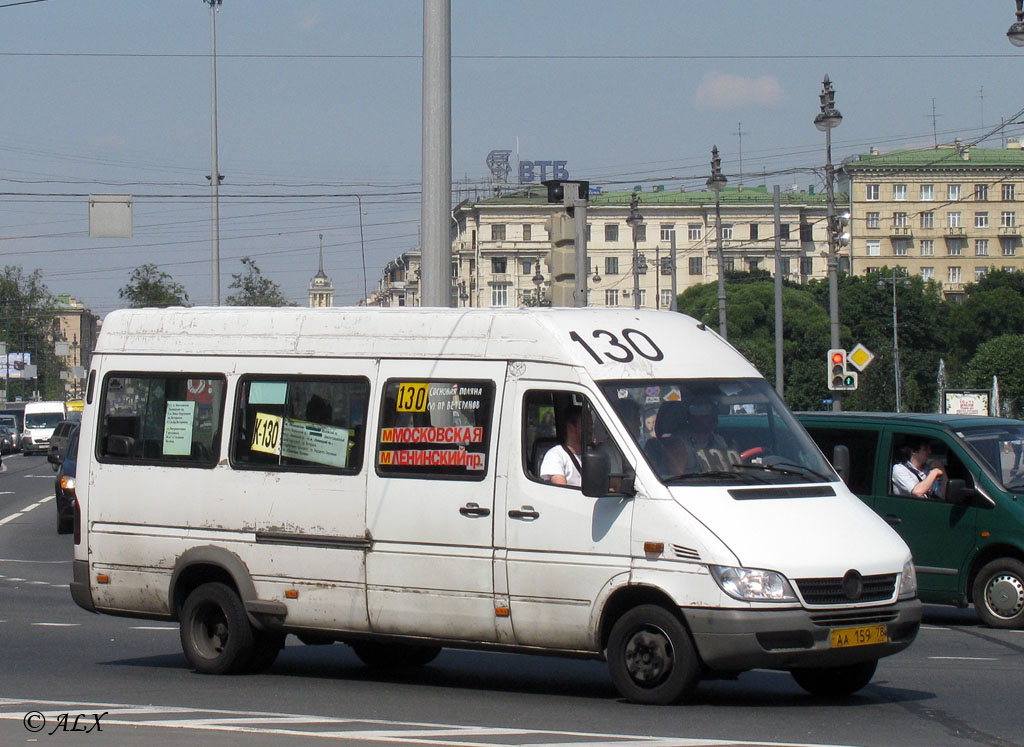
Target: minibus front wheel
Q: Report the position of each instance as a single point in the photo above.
(215, 632)
(651, 658)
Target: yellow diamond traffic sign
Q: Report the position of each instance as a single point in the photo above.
(860, 357)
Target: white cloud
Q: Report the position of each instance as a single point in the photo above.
(722, 91)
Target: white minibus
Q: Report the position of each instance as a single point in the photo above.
(404, 480)
(40, 420)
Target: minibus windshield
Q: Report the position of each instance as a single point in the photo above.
(717, 431)
(43, 419)
(1000, 446)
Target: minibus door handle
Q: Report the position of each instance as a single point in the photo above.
(893, 519)
(526, 512)
(474, 509)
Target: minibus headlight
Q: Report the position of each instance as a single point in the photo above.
(752, 584)
(908, 580)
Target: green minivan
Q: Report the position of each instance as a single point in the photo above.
(967, 532)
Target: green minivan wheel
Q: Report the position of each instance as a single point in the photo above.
(999, 593)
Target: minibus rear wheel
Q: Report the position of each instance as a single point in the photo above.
(215, 632)
(999, 593)
(836, 681)
(651, 658)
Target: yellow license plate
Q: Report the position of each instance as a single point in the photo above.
(863, 636)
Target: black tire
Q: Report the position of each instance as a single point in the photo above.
(215, 632)
(394, 655)
(265, 648)
(651, 657)
(999, 594)
(836, 681)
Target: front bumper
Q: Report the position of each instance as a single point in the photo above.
(738, 640)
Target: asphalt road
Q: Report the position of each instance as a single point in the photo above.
(127, 683)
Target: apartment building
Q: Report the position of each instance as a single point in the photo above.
(948, 214)
(500, 245)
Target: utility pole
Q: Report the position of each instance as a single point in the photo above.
(215, 176)
(716, 183)
(779, 370)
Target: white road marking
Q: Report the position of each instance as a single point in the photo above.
(965, 658)
(353, 729)
(58, 625)
(152, 627)
(30, 507)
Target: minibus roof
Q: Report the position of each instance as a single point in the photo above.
(609, 343)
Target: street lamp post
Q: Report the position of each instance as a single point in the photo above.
(895, 331)
(1016, 31)
(716, 182)
(215, 176)
(827, 119)
(633, 221)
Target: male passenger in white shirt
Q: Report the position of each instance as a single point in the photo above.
(913, 476)
(561, 464)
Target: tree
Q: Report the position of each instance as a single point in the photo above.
(1001, 357)
(255, 289)
(28, 325)
(151, 287)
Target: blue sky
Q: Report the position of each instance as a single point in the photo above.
(322, 97)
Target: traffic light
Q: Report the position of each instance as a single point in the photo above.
(840, 376)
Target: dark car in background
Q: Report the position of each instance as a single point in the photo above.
(8, 440)
(59, 442)
(64, 487)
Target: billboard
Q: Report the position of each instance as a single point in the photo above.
(13, 365)
(966, 401)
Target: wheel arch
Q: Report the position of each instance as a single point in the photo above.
(204, 564)
(985, 556)
(625, 598)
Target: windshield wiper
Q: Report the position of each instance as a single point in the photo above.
(712, 474)
(805, 472)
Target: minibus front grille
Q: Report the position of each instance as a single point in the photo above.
(831, 590)
(859, 617)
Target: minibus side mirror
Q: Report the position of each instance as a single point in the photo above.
(958, 493)
(841, 462)
(598, 477)
(120, 446)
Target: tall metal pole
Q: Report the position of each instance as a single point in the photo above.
(436, 200)
(674, 304)
(895, 343)
(779, 371)
(362, 245)
(827, 119)
(633, 221)
(716, 182)
(214, 168)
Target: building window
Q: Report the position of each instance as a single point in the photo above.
(955, 247)
(981, 220)
(526, 266)
(753, 265)
(784, 231)
(981, 192)
(499, 294)
(927, 192)
(1009, 192)
(979, 273)
(1008, 246)
(1008, 219)
(899, 220)
(953, 219)
(753, 232)
(730, 264)
(899, 192)
(694, 231)
(954, 275)
(899, 247)
(928, 220)
(641, 232)
(274, 427)
(806, 232)
(981, 248)
(806, 265)
(871, 192)
(499, 265)
(527, 232)
(872, 220)
(668, 230)
(611, 265)
(588, 233)
(666, 298)
(952, 192)
(696, 266)
(498, 232)
(927, 247)
(611, 232)
(611, 298)
(927, 273)
(785, 265)
(727, 232)
(874, 248)
(643, 298)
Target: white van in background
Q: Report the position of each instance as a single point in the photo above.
(40, 420)
(373, 476)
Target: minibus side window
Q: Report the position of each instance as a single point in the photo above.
(863, 447)
(168, 419)
(309, 424)
(435, 428)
